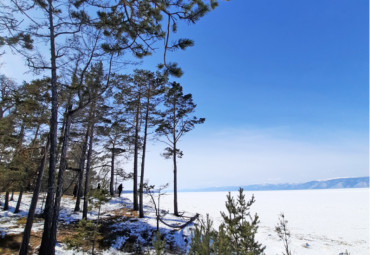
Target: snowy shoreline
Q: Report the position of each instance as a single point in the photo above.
(321, 221)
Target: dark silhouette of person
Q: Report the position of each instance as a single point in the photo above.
(98, 185)
(75, 191)
(119, 190)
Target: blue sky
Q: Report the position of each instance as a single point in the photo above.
(282, 62)
(284, 88)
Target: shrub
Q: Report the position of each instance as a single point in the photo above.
(203, 238)
(284, 234)
(158, 243)
(236, 234)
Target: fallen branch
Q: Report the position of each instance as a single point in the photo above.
(192, 219)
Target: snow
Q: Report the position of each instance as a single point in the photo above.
(320, 221)
(9, 224)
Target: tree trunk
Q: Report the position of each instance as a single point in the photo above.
(19, 148)
(48, 213)
(12, 196)
(33, 143)
(136, 207)
(176, 212)
(6, 203)
(95, 230)
(81, 173)
(141, 209)
(175, 209)
(88, 164)
(59, 190)
(19, 201)
(35, 196)
(111, 186)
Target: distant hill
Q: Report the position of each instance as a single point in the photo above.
(339, 183)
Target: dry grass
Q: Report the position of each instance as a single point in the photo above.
(125, 212)
(10, 244)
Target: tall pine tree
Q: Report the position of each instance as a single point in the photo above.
(178, 119)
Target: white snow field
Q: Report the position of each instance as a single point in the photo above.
(321, 221)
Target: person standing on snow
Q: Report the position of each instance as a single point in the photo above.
(75, 191)
(119, 190)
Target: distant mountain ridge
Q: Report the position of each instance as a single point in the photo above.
(339, 183)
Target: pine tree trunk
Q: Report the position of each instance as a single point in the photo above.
(19, 147)
(29, 182)
(59, 190)
(19, 201)
(48, 213)
(88, 164)
(35, 196)
(141, 209)
(111, 186)
(89, 155)
(95, 230)
(81, 173)
(136, 207)
(6, 202)
(12, 196)
(176, 212)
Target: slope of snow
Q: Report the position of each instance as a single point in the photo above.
(9, 224)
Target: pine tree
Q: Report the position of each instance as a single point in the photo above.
(113, 130)
(31, 111)
(177, 120)
(7, 93)
(158, 243)
(240, 227)
(10, 35)
(60, 25)
(129, 98)
(203, 238)
(8, 134)
(137, 25)
(96, 85)
(153, 87)
(99, 197)
(27, 229)
(236, 234)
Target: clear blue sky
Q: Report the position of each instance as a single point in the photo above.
(284, 88)
(267, 63)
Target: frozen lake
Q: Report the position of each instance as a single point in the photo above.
(329, 221)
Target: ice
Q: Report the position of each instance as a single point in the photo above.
(321, 221)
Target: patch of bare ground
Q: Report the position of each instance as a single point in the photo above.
(10, 244)
(124, 212)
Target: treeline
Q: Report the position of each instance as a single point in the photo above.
(116, 121)
(84, 112)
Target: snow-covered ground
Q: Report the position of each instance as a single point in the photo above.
(321, 221)
(118, 208)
